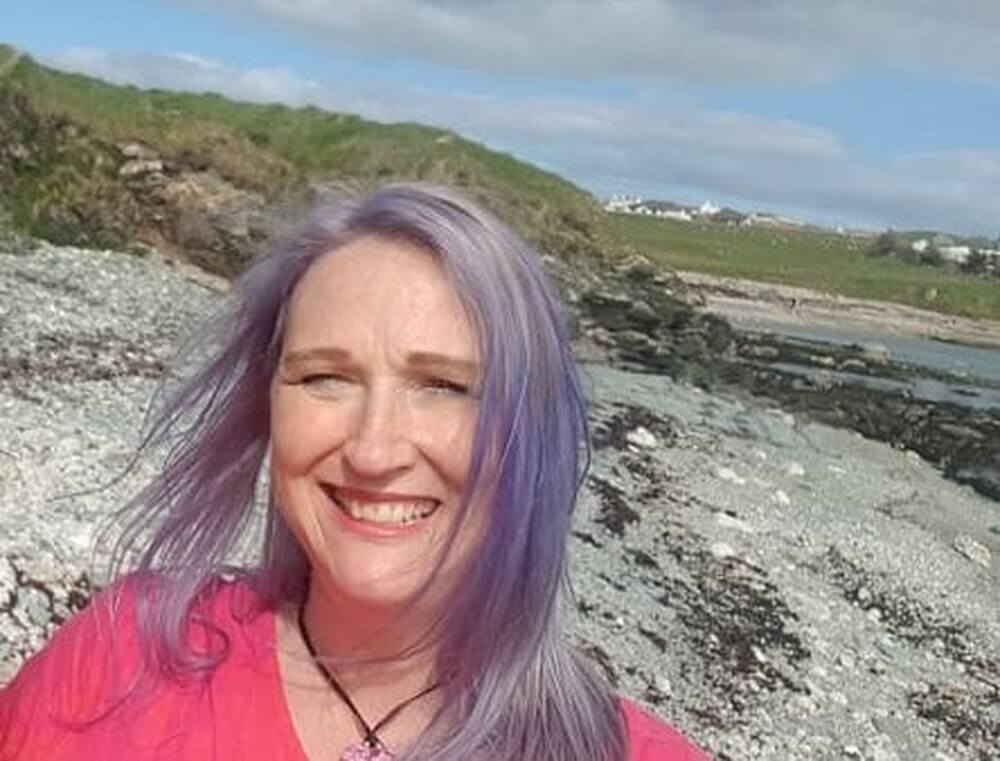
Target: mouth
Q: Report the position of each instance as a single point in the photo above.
(380, 509)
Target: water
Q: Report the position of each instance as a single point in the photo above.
(976, 370)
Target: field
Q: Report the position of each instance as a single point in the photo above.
(69, 188)
(809, 259)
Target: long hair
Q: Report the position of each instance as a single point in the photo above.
(515, 690)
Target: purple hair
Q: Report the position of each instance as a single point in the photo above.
(515, 689)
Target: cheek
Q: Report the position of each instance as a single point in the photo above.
(300, 435)
(449, 445)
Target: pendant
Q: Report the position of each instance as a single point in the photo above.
(364, 751)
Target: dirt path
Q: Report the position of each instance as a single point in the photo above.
(747, 301)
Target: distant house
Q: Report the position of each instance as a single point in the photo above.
(682, 215)
(622, 204)
(957, 254)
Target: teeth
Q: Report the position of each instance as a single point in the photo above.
(387, 512)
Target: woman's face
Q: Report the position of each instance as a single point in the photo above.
(373, 415)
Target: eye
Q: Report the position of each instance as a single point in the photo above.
(445, 386)
(324, 380)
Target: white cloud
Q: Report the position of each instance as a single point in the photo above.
(693, 41)
(186, 71)
(646, 143)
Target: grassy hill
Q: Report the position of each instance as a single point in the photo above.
(197, 175)
(63, 137)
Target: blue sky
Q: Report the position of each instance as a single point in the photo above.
(869, 113)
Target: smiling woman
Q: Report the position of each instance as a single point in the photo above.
(401, 371)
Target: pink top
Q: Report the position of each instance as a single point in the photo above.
(52, 709)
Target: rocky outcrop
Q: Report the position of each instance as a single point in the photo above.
(68, 186)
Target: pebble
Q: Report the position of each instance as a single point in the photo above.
(736, 524)
(720, 638)
(975, 551)
(728, 474)
(721, 550)
(642, 438)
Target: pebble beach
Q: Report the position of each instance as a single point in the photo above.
(776, 588)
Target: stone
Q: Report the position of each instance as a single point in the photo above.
(36, 606)
(728, 474)
(782, 498)
(642, 437)
(137, 151)
(138, 167)
(727, 521)
(795, 469)
(973, 550)
(721, 550)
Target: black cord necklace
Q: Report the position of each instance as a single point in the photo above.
(371, 747)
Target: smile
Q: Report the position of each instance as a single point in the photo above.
(382, 511)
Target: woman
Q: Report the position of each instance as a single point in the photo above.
(401, 371)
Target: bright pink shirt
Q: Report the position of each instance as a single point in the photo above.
(242, 714)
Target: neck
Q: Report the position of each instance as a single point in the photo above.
(371, 650)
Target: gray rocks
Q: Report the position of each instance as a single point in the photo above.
(975, 551)
(778, 589)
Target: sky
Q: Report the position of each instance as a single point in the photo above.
(862, 113)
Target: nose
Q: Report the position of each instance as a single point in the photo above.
(377, 446)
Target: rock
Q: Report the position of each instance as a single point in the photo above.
(137, 151)
(782, 498)
(730, 475)
(795, 469)
(721, 550)
(638, 269)
(975, 551)
(852, 365)
(727, 521)
(36, 606)
(137, 167)
(643, 315)
(876, 353)
(642, 437)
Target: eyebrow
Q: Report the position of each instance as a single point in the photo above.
(308, 355)
(432, 360)
(421, 359)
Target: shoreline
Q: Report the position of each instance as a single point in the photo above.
(749, 302)
(777, 588)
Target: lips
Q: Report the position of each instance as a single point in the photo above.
(379, 508)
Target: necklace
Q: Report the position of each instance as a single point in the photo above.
(371, 747)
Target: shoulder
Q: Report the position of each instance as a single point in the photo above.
(78, 676)
(92, 665)
(651, 739)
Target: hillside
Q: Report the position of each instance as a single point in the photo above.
(88, 163)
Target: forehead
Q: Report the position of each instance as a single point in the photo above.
(376, 287)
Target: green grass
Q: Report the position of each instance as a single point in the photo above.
(808, 258)
(275, 150)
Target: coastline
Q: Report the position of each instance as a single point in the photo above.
(747, 302)
(775, 587)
